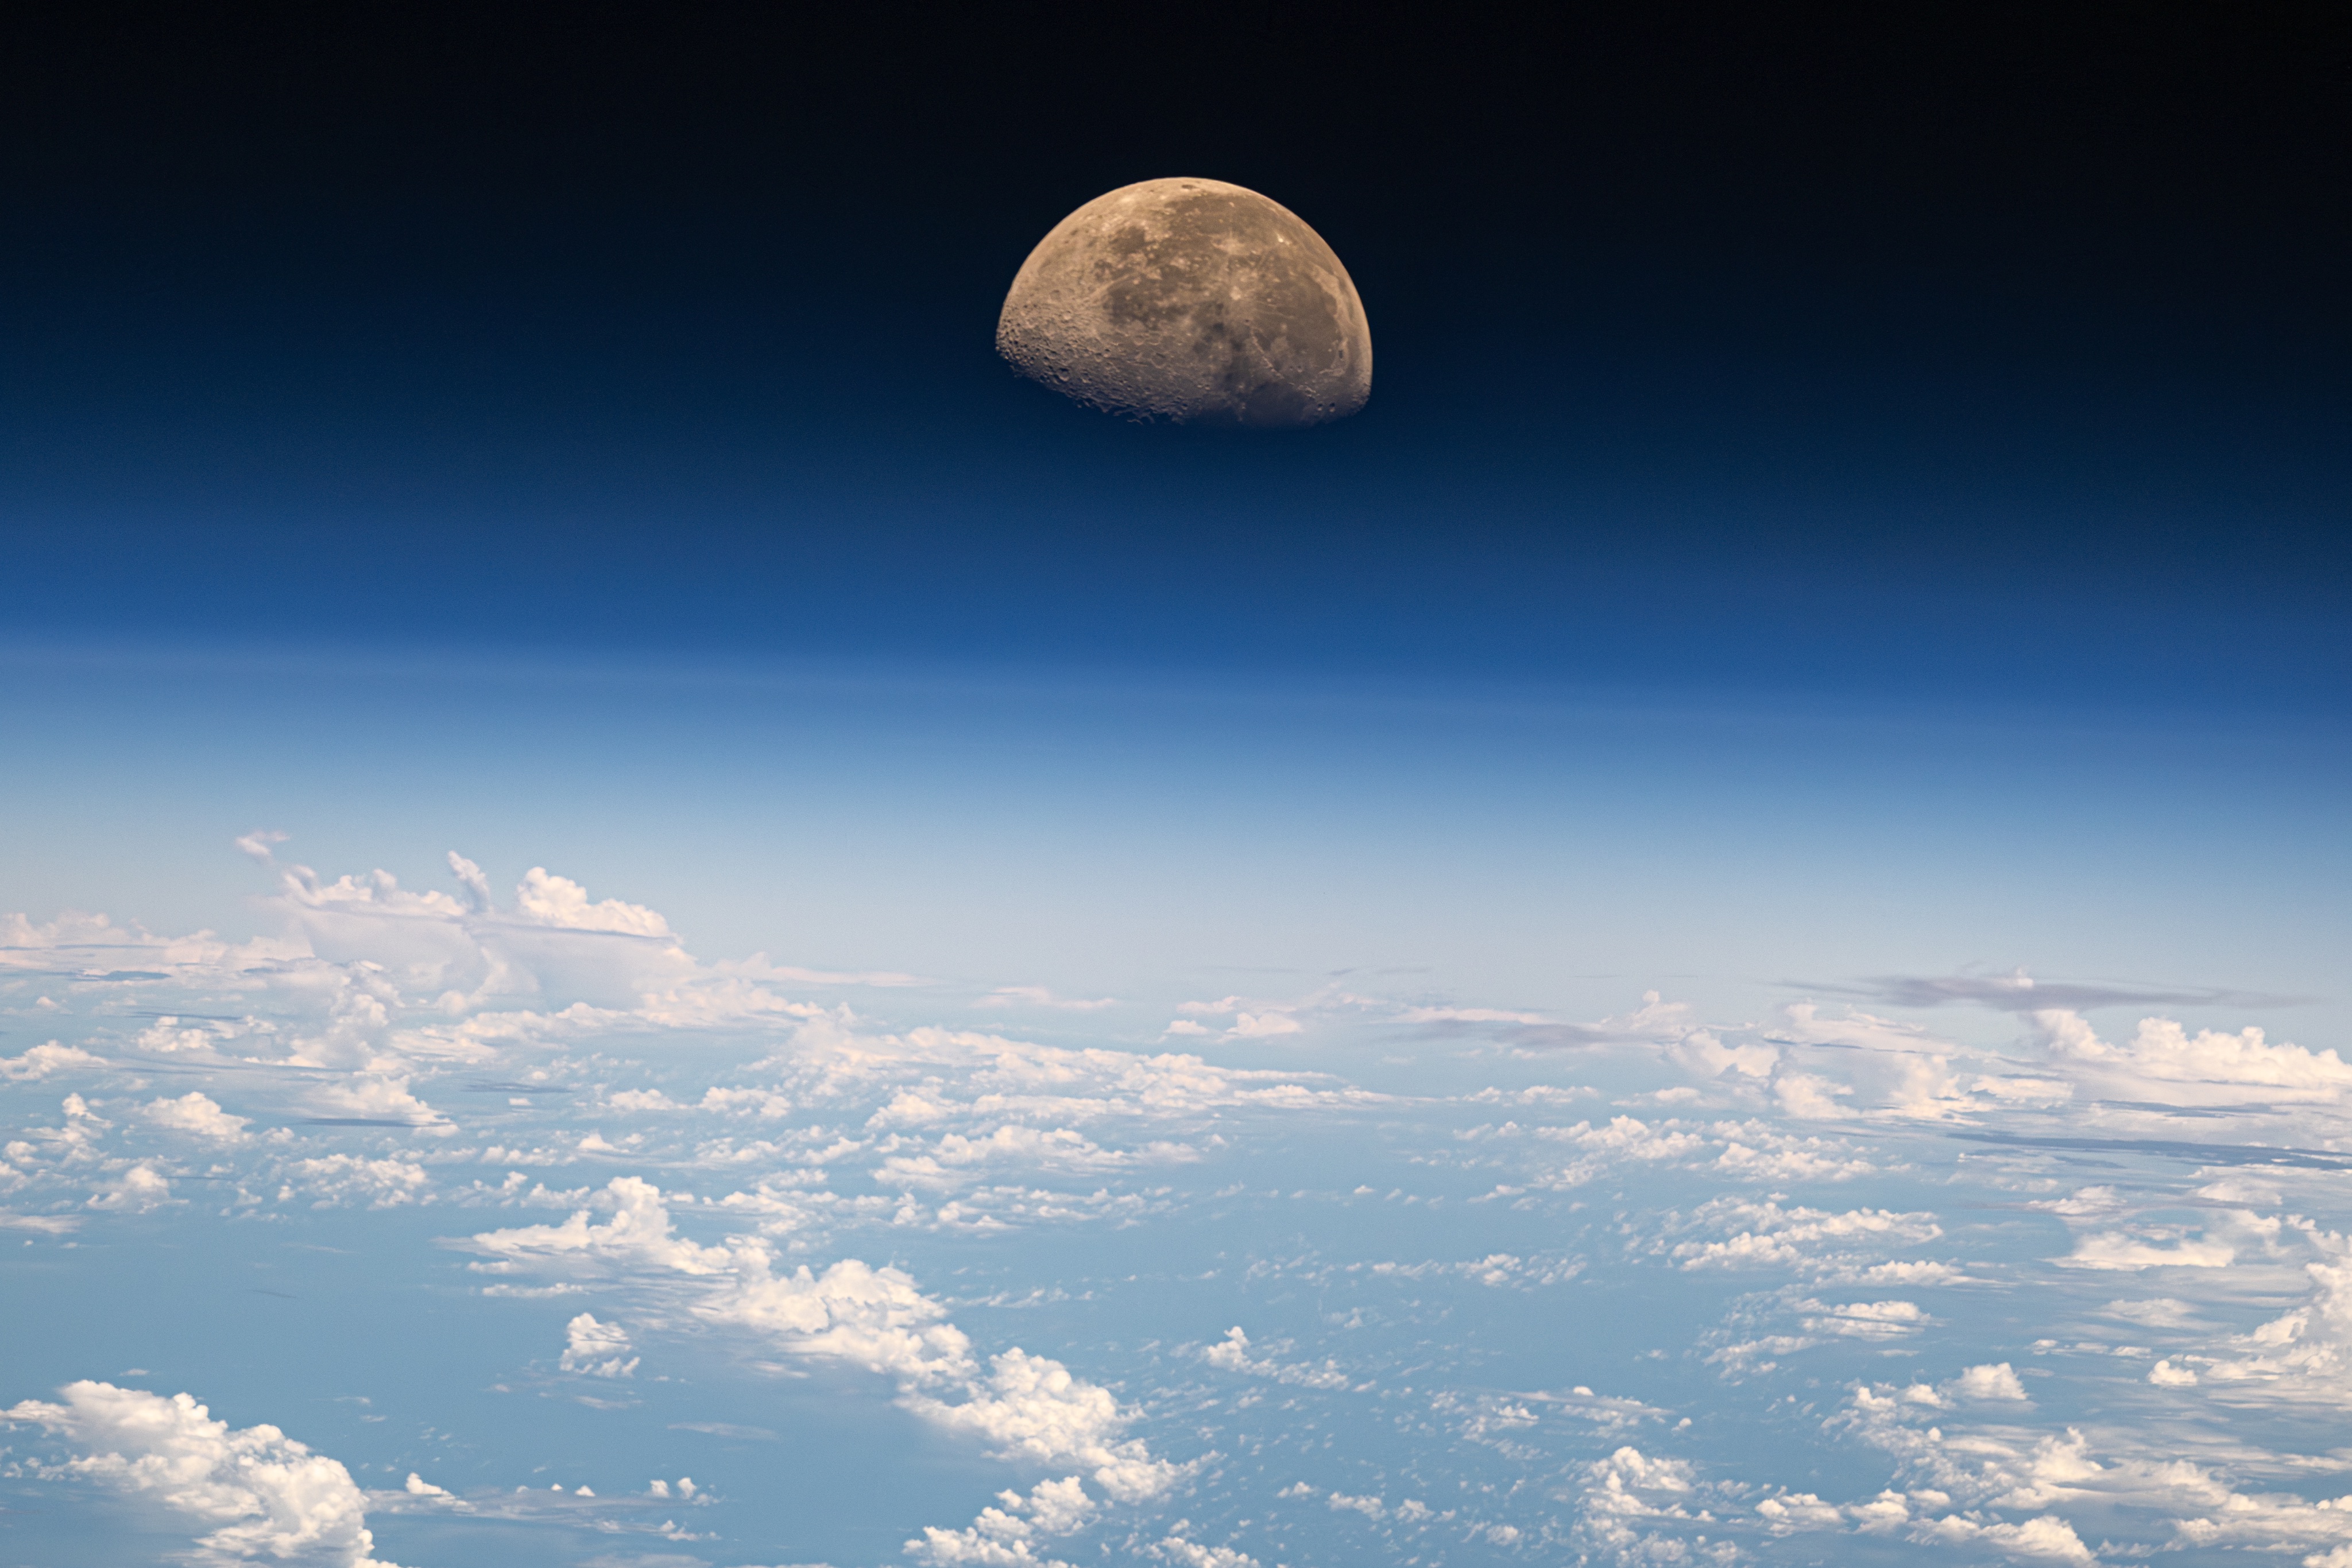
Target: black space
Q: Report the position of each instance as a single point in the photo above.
(2141, 166)
(1963, 299)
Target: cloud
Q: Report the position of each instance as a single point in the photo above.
(1251, 1020)
(1965, 1476)
(1553, 1094)
(1006, 1537)
(758, 967)
(638, 1234)
(462, 951)
(546, 900)
(627, 1100)
(1809, 1096)
(1622, 1141)
(1752, 1149)
(2047, 1537)
(1768, 1236)
(135, 1191)
(1868, 1323)
(1655, 1022)
(1793, 1512)
(957, 1160)
(1039, 997)
(763, 1103)
(2242, 1190)
(1908, 1271)
(372, 1097)
(1010, 1080)
(1864, 1066)
(1855, 1031)
(1192, 1554)
(2177, 1149)
(40, 1060)
(596, 1349)
(379, 987)
(2302, 1354)
(1865, 1320)
(1785, 1159)
(259, 844)
(1031, 1408)
(2163, 1059)
(1232, 1355)
(1468, 1015)
(1997, 1380)
(199, 1114)
(852, 1312)
(1024, 1406)
(1225, 1007)
(335, 1180)
(1637, 1506)
(2020, 992)
(1496, 1270)
(90, 950)
(2117, 1252)
(1892, 1066)
(261, 1496)
(2156, 1313)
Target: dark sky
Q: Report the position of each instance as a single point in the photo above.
(1932, 352)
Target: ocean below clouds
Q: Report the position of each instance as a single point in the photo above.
(466, 1224)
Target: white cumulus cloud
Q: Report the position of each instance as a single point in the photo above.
(1997, 1380)
(2165, 1062)
(1008, 1536)
(597, 1349)
(1025, 1406)
(39, 1061)
(259, 1495)
(197, 1113)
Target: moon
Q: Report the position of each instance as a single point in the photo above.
(1194, 302)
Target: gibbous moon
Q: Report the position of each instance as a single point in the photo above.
(1191, 301)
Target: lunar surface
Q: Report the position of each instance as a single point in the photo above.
(1191, 301)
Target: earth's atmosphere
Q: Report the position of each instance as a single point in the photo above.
(653, 915)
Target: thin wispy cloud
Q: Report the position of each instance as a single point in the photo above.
(1041, 997)
(2020, 992)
